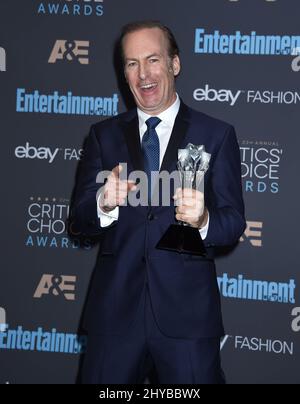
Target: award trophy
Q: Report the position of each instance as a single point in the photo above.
(193, 162)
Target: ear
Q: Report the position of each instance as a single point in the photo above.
(176, 65)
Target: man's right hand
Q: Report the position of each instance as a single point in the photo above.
(115, 191)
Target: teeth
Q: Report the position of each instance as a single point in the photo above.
(148, 86)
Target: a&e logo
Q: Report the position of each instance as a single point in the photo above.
(2, 60)
(253, 233)
(2, 319)
(296, 320)
(71, 51)
(56, 285)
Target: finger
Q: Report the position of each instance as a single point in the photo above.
(199, 196)
(188, 211)
(116, 171)
(192, 193)
(187, 201)
(131, 186)
(185, 193)
(190, 202)
(122, 186)
(126, 186)
(188, 192)
(177, 193)
(122, 193)
(180, 209)
(116, 183)
(109, 202)
(186, 218)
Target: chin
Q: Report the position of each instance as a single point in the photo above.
(149, 107)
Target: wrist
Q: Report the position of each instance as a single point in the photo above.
(203, 219)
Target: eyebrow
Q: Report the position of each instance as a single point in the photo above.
(147, 57)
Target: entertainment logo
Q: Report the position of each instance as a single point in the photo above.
(83, 8)
(252, 43)
(239, 287)
(239, 43)
(260, 165)
(66, 104)
(39, 340)
(48, 225)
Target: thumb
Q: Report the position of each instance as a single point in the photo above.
(131, 186)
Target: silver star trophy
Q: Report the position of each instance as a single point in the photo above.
(193, 162)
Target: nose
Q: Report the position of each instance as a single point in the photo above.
(142, 71)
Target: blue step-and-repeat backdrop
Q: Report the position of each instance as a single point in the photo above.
(240, 63)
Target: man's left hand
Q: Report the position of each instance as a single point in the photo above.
(190, 207)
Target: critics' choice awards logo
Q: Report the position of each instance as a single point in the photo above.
(261, 166)
(296, 319)
(70, 51)
(48, 225)
(2, 60)
(253, 96)
(83, 8)
(47, 154)
(253, 234)
(258, 344)
(56, 285)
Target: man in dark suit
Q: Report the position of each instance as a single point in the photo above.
(150, 309)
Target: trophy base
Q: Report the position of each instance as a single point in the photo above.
(182, 239)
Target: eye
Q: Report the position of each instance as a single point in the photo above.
(153, 60)
(131, 64)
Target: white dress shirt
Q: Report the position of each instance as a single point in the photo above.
(163, 130)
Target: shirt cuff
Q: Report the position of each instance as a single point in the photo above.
(204, 230)
(106, 218)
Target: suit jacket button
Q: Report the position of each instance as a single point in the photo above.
(151, 216)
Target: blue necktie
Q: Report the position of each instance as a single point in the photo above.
(150, 148)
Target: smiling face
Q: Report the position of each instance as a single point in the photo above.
(149, 70)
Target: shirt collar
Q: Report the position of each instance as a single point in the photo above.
(167, 117)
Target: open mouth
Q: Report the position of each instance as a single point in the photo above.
(148, 87)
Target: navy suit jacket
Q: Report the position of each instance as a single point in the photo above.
(183, 288)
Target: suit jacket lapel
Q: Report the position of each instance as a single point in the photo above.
(132, 139)
(178, 134)
(170, 159)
